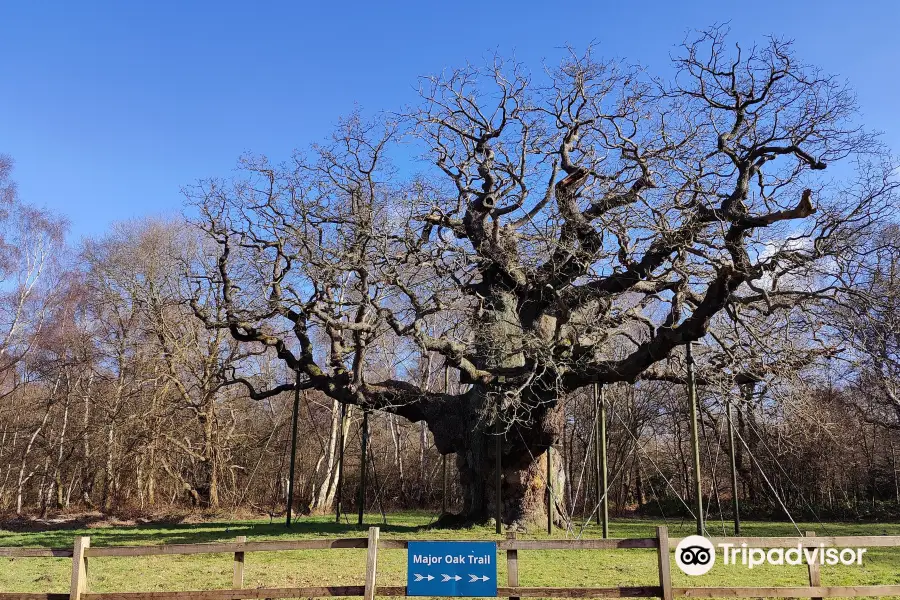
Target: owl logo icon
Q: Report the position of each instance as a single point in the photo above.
(695, 555)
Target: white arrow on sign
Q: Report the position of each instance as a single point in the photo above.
(477, 578)
(449, 577)
(421, 577)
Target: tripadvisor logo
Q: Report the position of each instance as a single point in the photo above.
(696, 555)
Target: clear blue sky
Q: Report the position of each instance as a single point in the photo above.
(109, 108)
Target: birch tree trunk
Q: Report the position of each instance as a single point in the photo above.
(335, 479)
(23, 479)
(56, 482)
(109, 473)
(398, 456)
(322, 502)
(87, 472)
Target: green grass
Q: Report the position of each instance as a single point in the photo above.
(346, 566)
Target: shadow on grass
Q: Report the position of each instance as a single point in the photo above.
(62, 535)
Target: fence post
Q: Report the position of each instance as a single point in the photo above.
(78, 585)
(512, 565)
(371, 560)
(815, 575)
(665, 567)
(238, 579)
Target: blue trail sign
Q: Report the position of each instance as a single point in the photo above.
(451, 569)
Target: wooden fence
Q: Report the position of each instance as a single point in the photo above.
(82, 552)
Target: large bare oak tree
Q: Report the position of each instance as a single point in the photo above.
(573, 228)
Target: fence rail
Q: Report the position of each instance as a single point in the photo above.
(82, 552)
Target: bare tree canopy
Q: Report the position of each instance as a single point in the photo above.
(565, 229)
(30, 240)
(868, 326)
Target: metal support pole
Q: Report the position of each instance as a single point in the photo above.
(549, 490)
(735, 503)
(602, 468)
(444, 484)
(340, 482)
(362, 468)
(290, 498)
(498, 480)
(444, 456)
(598, 476)
(695, 438)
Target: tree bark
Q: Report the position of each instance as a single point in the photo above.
(324, 499)
(109, 473)
(23, 479)
(523, 465)
(88, 475)
(57, 467)
(396, 436)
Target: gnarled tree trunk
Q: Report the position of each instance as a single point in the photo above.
(523, 459)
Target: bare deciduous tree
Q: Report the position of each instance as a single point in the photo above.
(573, 229)
(30, 244)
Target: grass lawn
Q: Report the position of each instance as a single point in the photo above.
(570, 568)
